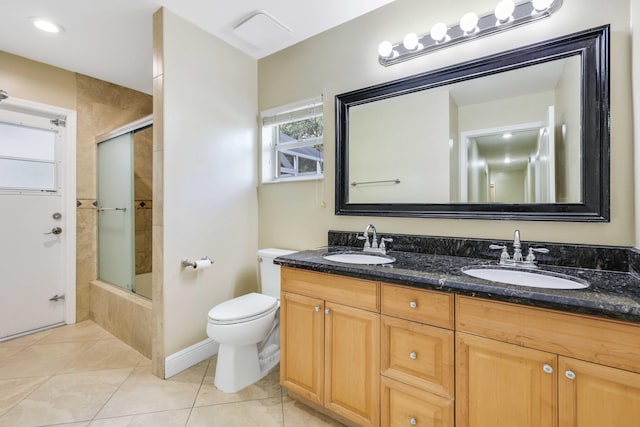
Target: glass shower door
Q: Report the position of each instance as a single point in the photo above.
(116, 235)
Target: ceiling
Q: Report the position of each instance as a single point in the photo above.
(112, 39)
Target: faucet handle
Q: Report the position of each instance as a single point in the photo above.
(365, 237)
(530, 259)
(504, 256)
(382, 242)
(540, 250)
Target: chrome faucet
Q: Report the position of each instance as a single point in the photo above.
(517, 260)
(372, 246)
(517, 248)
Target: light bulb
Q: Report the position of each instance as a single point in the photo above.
(410, 41)
(504, 9)
(468, 22)
(439, 31)
(540, 5)
(385, 49)
(47, 26)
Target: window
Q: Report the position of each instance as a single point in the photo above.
(27, 158)
(292, 141)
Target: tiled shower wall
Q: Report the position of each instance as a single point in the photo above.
(101, 107)
(143, 181)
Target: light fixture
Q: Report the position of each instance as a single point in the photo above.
(45, 25)
(507, 159)
(507, 14)
(506, 135)
(469, 22)
(504, 11)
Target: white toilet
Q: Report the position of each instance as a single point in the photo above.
(248, 329)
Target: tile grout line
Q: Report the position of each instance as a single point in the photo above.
(133, 369)
(195, 399)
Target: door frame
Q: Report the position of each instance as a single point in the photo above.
(68, 190)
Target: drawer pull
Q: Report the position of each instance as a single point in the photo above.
(413, 355)
(327, 311)
(547, 368)
(317, 308)
(413, 304)
(413, 422)
(570, 374)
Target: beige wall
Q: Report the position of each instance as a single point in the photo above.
(293, 215)
(382, 140)
(635, 25)
(505, 112)
(567, 133)
(207, 159)
(37, 82)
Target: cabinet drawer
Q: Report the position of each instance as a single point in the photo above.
(330, 287)
(403, 405)
(435, 308)
(418, 355)
(603, 341)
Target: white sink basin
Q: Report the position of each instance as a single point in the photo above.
(359, 258)
(532, 278)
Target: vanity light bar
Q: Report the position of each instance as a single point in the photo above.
(507, 15)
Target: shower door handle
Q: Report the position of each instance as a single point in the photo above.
(111, 209)
(55, 230)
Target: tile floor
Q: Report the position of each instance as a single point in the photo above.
(81, 375)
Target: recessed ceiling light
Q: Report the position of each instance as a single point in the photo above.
(506, 135)
(47, 26)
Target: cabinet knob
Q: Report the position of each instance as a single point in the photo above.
(317, 308)
(413, 421)
(413, 304)
(327, 311)
(570, 374)
(547, 368)
(413, 355)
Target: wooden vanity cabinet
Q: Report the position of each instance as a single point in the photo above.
(329, 343)
(417, 357)
(525, 366)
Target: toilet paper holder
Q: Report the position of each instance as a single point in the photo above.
(189, 263)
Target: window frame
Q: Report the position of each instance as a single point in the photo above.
(272, 147)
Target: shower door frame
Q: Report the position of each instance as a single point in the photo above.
(132, 127)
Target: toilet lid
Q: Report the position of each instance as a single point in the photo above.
(244, 308)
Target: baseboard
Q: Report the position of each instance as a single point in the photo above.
(186, 358)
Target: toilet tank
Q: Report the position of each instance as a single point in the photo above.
(270, 272)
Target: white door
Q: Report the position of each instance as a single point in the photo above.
(33, 223)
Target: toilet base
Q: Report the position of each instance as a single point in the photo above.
(241, 366)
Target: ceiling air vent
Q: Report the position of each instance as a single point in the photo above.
(261, 29)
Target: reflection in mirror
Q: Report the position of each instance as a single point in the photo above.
(517, 135)
(503, 138)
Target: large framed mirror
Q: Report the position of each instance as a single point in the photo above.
(522, 135)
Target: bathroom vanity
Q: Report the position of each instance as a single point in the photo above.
(417, 342)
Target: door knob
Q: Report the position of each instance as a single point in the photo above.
(55, 230)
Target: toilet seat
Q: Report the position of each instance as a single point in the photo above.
(243, 309)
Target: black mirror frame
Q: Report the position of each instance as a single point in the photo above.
(592, 45)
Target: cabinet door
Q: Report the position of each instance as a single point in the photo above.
(504, 385)
(592, 395)
(302, 345)
(403, 406)
(352, 363)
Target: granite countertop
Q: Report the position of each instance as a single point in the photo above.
(611, 294)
